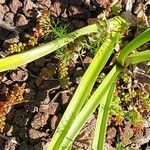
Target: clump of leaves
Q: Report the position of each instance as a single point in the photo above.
(43, 26)
(116, 112)
(116, 9)
(121, 146)
(33, 41)
(96, 40)
(125, 90)
(129, 96)
(130, 104)
(126, 78)
(69, 54)
(63, 74)
(42, 29)
(67, 57)
(145, 100)
(58, 30)
(46, 25)
(12, 97)
(17, 47)
(136, 119)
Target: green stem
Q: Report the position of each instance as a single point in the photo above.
(99, 121)
(89, 108)
(138, 41)
(87, 82)
(23, 58)
(138, 57)
(104, 111)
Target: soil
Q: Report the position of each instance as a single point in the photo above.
(31, 123)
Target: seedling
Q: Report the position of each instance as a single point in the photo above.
(83, 103)
(70, 125)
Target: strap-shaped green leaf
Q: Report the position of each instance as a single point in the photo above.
(23, 58)
(138, 57)
(135, 43)
(86, 84)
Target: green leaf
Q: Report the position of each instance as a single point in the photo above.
(87, 82)
(23, 58)
(101, 125)
(135, 43)
(138, 57)
(89, 108)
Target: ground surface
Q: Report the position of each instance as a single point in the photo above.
(31, 124)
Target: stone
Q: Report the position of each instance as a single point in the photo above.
(59, 8)
(78, 12)
(11, 40)
(9, 145)
(147, 87)
(44, 4)
(2, 1)
(65, 97)
(54, 122)
(19, 75)
(21, 20)
(35, 134)
(87, 60)
(14, 5)
(30, 9)
(9, 18)
(3, 9)
(53, 108)
(56, 7)
(39, 120)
